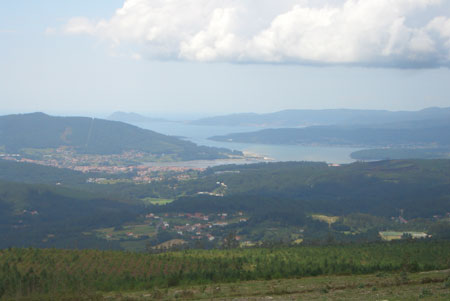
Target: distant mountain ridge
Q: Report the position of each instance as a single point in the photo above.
(93, 136)
(133, 117)
(297, 118)
(428, 133)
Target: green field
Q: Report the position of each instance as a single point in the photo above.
(326, 219)
(392, 235)
(126, 232)
(157, 201)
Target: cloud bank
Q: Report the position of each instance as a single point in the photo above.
(375, 33)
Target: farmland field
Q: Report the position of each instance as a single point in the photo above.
(327, 219)
(157, 201)
(126, 232)
(392, 235)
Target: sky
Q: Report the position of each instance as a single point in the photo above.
(195, 58)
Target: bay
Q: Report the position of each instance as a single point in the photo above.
(199, 135)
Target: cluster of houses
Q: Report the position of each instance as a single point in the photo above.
(93, 163)
(109, 164)
(31, 212)
(201, 225)
(218, 192)
(148, 174)
(399, 219)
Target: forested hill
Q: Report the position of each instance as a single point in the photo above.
(289, 189)
(295, 118)
(93, 136)
(40, 174)
(400, 135)
(41, 215)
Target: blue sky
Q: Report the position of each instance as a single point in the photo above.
(198, 58)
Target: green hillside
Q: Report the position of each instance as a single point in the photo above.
(40, 174)
(93, 136)
(420, 187)
(50, 272)
(268, 202)
(40, 215)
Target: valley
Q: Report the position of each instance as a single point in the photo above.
(224, 150)
(178, 217)
(283, 203)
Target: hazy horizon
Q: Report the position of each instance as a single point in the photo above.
(179, 116)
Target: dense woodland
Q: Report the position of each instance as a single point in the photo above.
(42, 215)
(420, 187)
(40, 174)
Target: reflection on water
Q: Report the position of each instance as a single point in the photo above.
(199, 135)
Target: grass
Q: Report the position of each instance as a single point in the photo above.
(391, 235)
(170, 243)
(298, 241)
(131, 237)
(134, 246)
(425, 285)
(126, 232)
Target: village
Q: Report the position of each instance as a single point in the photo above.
(182, 227)
(126, 163)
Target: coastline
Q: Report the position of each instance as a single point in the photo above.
(248, 158)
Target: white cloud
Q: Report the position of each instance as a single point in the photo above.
(354, 32)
